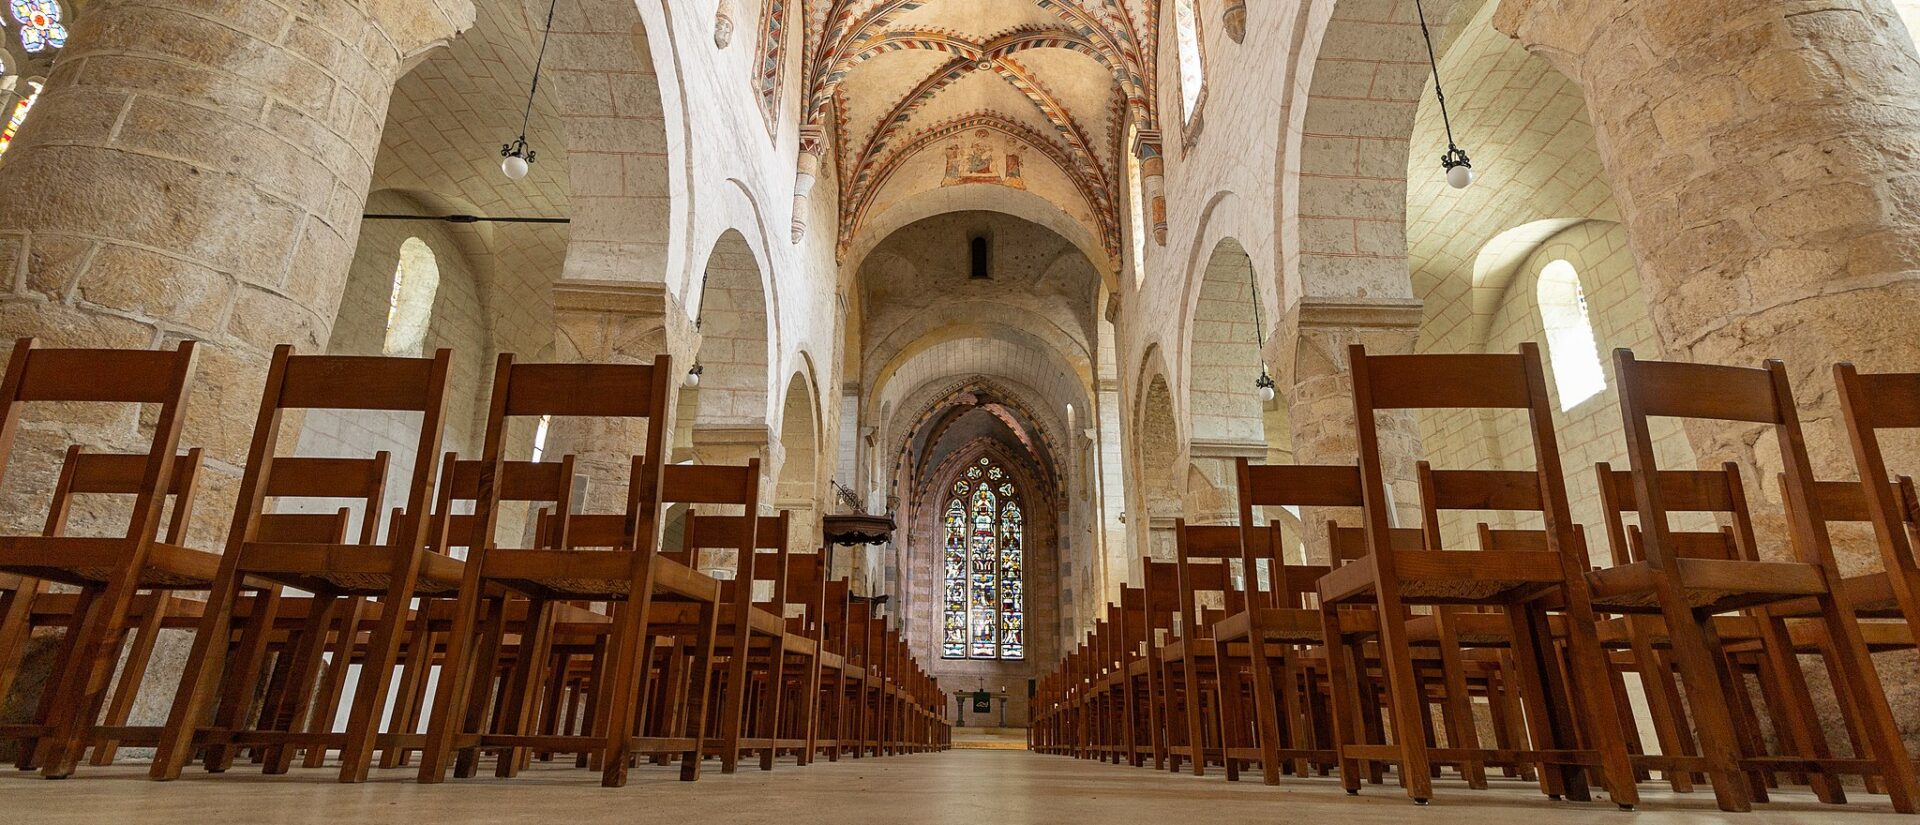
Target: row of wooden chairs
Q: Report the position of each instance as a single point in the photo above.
(1234, 654)
(581, 634)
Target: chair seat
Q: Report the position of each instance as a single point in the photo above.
(85, 561)
(350, 569)
(591, 574)
(1716, 584)
(1872, 596)
(1274, 624)
(1475, 629)
(1451, 576)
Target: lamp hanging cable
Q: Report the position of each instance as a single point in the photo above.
(1458, 166)
(516, 158)
(1262, 386)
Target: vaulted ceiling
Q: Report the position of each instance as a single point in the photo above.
(916, 96)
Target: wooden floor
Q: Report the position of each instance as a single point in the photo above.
(973, 787)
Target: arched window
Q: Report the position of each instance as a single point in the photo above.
(410, 304)
(18, 116)
(40, 26)
(985, 567)
(1193, 68)
(1570, 344)
(1136, 206)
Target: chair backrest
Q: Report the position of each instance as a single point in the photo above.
(1711, 392)
(836, 616)
(598, 391)
(546, 486)
(1207, 556)
(1131, 619)
(346, 383)
(84, 473)
(1869, 403)
(705, 532)
(1460, 381)
(109, 376)
(360, 482)
(1718, 493)
(806, 586)
(1161, 589)
(1289, 485)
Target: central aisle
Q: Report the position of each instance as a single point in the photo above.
(975, 787)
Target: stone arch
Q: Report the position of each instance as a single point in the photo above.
(1158, 455)
(1227, 419)
(797, 484)
(609, 100)
(877, 227)
(1223, 355)
(733, 320)
(1358, 73)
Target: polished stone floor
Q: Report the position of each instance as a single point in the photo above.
(973, 787)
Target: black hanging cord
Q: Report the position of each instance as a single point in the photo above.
(1454, 156)
(519, 145)
(1265, 381)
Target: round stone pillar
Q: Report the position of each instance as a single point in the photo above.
(199, 171)
(1763, 156)
(1312, 370)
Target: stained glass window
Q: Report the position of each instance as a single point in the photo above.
(40, 27)
(17, 117)
(984, 567)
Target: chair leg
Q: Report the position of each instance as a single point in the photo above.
(1704, 675)
(127, 686)
(1589, 672)
(311, 642)
(88, 669)
(1462, 730)
(1796, 721)
(699, 697)
(34, 749)
(520, 691)
(376, 672)
(454, 689)
(1869, 697)
(1342, 696)
(1403, 698)
(16, 629)
(626, 661)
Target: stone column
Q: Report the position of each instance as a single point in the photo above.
(1309, 356)
(1762, 153)
(615, 322)
(189, 173)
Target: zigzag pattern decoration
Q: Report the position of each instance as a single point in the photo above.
(770, 59)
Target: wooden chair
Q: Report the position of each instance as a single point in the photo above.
(89, 474)
(1523, 584)
(760, 651)
(1210, 719)
(806, 586)
(1280, 627)
(110, 570)
(1687, 591)
(396, 572)
(628, 571)
(1160, 594)
(1869, 404)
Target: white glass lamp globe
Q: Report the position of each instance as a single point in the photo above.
(692, 381)
(1265, 394)
(514, 167)
(1460, 177)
